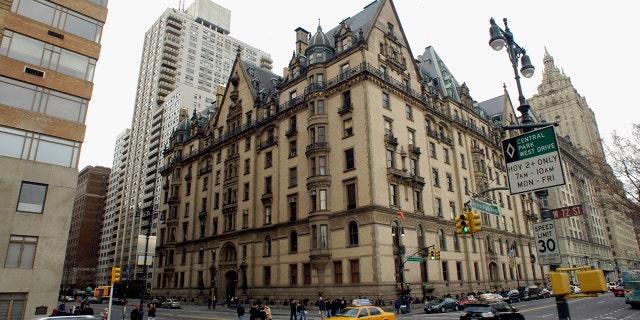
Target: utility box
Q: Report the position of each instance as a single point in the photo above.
(592, 281)
(560, 283)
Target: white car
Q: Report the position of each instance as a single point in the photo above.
(172, 304)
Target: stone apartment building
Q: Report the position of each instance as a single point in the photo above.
(326, 179)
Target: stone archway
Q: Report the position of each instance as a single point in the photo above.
(494, 273)
(230, 283)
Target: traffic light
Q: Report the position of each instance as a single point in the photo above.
(476, 224)
(432, 254)
(462, 223)
(115, 275)
(436, 254)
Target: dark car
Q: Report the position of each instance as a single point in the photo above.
(118, 301)
(441, 305)
(93, 299)
(530, 293)
(494, 310)
(511, 296)
(618, 291)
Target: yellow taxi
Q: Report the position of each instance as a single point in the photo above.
(362, 309)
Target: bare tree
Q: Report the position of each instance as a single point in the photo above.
(619, 175)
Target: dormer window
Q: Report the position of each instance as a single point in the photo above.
(390, 25)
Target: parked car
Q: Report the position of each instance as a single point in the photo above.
(157, 303)
(94, 299)
(529, 293)
(618, 291)
(511, 296)
(69, 299)
(494, 310)
(441, 305)
(119, 301)
(545, 293)
(172, 304)
(463, 302)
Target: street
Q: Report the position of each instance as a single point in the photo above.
(603, 307)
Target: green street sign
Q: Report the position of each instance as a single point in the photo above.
(414, 259)
(485, 207)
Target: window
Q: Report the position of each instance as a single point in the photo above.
(247, 166)
(438, 204)
(420, 237)
(353, 233)
(413, 167)
(351, 194)
(293, 271)
(459, 271)
(350, 162)
(245, 219)
(293, 177)
(466, 186)
(314, 237)
(442, 241)
(418, 199)
(337, 272)
(409, 112)
(21, 252)
(268, 159)
(393, 195)
(456, 242)
(247, 144)
(463, 162)
(306, 272)
(293, 148)
(411, 137)
(245, 193)
(344, 71)
(267, 214)
(354, 266)
(322, 165)
(436, 177)
(12, 305)
(267, 275)
(432, 150)
(267, 246)
(267, 185)
(390, 159)
(320, 106)
(449, 181)
(348, 127)
(445, 154)
(323, 199)
(293, 208)
(452, 209)
(293, 242)
(324, 236)
(32, 197)
(385, 100)
(387, 127)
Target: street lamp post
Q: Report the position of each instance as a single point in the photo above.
(148, 216)
(499, 39)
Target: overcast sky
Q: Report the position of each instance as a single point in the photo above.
(594, 42)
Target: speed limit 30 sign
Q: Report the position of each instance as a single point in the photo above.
(547, 243)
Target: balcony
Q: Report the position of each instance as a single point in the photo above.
(204, 170)
(291, 132)
(269, 142)
(415, 150)
(267, 197)
(390, 139)
(317, 145)
(346, 108)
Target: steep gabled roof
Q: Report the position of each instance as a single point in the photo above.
(361, 21)
(431, 63)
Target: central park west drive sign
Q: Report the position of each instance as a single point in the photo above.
(533, 161)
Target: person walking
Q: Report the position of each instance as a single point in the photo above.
(209, 302)
(240, 310)
(397, 305)
(302, 311)
(293, 305)
(322, 308)
(135, 314)
(87, 310)
(267, 312)
(152, 312)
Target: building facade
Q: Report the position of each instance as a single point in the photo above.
(45, 86)
(558, 100)
(86, 227)
(190, 50)
(326, 180)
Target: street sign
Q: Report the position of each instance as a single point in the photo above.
(547, 243)
(485, 207)
(414, 259)
(567, 212)
(533, 161)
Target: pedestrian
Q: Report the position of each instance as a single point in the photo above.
(254, 312)
(209, 302)
(105, 313)
(135, 314)
(87, 310)
(397, 305)
(240, 310)
(214, 302)
(302, 311)
(322, 308)
(267, 313)
(152, 312)
(293, 307)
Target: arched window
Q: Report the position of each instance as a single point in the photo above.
(353, 233)
(420, 237)
(456, 242)
(267, 246)
(293, 242)
(442, 240)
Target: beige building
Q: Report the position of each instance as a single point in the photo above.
(45, 87)
(326, 179)
(603, 237)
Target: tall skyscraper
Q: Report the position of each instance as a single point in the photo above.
(48, 54)
(186, 55)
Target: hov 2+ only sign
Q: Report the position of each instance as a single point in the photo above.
(533, 161)
(547, 243)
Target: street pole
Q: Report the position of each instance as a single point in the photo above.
(500, 38)
(149, 217)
